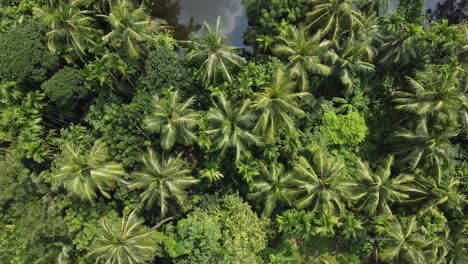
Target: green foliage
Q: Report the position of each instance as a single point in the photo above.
(232, 241)
(82, 223)
(345, 130)
(65, 88)
(25, 57)
(163, 70)
(411, 10)
(267, 16)
(121, 127)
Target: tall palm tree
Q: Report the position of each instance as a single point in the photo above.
(127, 242)
(305, 54)
(423, 145)
(84, 174)
(317, 187)
(162, 179)
(376, 190)
(400, 47)
(214, 54)
(351, 61)
(130, 24)
(69, 26)
(442, 100)
(335, 17)
(271, 187)
(277, 106)
(174, 119)
(403, 240)
(231, 126)
(444, 191)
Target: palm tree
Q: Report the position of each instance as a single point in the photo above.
(317, 185)
(84, 174)
(350, 62)
(400, 46)
(403, 241)
(444, 191)
(271, 187)
(441, 100)
(277, 106)
(99, 6)
(423, 145)
(162, 179)
(173, 119)
(127, 242)
(305, 55)
(215, 55)
(130, 24)
(335, 17)
(231, 125)
(376, 190)
(69, 26)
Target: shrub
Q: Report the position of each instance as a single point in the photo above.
(65, 87)
(348, 130)
(24, 56)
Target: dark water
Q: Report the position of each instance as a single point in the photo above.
(187, 16)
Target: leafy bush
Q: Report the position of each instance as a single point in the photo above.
(65, 88)
(216, 232)
(24, 55)
(164, 70)
(348, 130)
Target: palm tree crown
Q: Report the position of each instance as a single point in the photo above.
(271, 187)
(305, 54)
(162, 179)
(130, 24)
(441, 101)
(173, 119)
(128, 242)
(231, 126)
(69, 26)
(335, 17)
(277, 106)
(377, 189)
(84, 174)
(215, 55)
(317, 186)
(423, 145)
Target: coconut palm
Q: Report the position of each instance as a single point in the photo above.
(335, 17)
(126, 242)
(99, 6)
(441, 100)
(377, 190)
(129, 24)
(271, 187)
(173, 119)
(277, 106)
(351, 61)
(400, 45)
(444, 191)
(422, 145)
(214, 54)
(231, 126)
(84, 174)
(305, 54)
(317, 186)
(403, 242)
(162, 179)
(69, 26)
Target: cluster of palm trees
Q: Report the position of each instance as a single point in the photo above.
(337, 41)
(74, 30)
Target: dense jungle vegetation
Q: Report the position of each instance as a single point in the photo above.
(340, 137)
